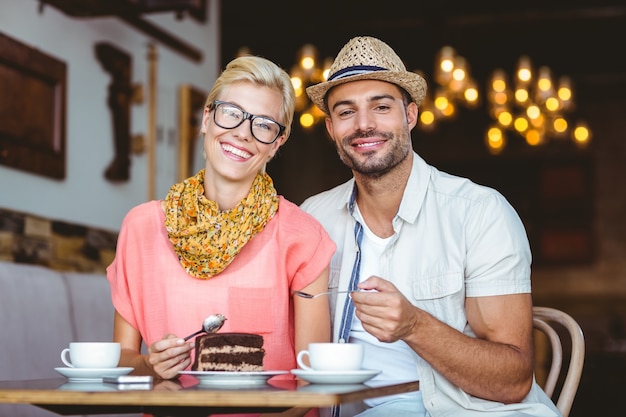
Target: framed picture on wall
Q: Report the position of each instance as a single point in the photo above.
(32, 109)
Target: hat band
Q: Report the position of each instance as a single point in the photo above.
(356, 70)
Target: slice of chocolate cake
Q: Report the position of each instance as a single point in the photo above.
(233, 352)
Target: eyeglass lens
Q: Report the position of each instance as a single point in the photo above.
(229, 116)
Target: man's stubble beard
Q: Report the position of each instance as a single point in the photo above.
(372, 167)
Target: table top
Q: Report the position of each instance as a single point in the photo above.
(184, 395)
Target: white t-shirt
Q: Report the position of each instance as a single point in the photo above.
(397, 359)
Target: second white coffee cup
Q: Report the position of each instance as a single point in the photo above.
(92, 355)
(332, 357)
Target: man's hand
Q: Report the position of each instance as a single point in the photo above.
(384, 312)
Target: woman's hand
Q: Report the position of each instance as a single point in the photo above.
(169, 355)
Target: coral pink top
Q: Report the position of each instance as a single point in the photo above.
(151, 290)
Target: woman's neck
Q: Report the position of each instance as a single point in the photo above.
(227, 194)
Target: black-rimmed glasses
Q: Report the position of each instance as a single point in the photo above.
(229, 116)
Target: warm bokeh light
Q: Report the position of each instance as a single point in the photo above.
(495, 140)
(306, 120)
(296, 82)
(528, 102)
(449, 110)
(498, 85)
(533, 137)
(447, 65)
(524, 72)
(564, 91)
(544, 83)
(441, 103)
(539, 110)
(471, 94)
(560, 125)
(427, 117)
(500, 98)
(552, 104)
(453, 88)
(533, 112)
(520, 124)
(304, 73)
(494, 135)
(521, 95)
(505, 118)
(308, 62)
(458, 74)
(581, 134)
(539, 122)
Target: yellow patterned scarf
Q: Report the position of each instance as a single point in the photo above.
(207, 239)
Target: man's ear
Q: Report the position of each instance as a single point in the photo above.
(412, 112)
(329, 128)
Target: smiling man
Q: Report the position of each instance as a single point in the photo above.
(446, 262)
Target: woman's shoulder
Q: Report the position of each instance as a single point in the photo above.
(291, 210)
(144, 213)
(292, 215)
(298, 230)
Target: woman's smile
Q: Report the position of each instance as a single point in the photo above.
(234, 151)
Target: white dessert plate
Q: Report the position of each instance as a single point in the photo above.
(91, 374)
(336, 377)
(221, 378)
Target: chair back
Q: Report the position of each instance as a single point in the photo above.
(546, 320)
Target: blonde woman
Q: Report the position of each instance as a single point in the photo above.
(223, 241)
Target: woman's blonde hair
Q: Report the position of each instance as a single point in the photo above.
(263, 72)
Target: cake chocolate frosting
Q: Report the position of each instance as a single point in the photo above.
(233, 352)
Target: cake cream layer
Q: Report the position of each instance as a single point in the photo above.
(229, 349)
(227, 367)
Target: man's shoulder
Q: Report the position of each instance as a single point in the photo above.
(462, 187)
(331, 199)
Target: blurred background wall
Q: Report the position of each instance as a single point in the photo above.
(85, 196)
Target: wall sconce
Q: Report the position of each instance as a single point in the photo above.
(532, 106)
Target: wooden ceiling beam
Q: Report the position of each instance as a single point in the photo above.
(129, 13)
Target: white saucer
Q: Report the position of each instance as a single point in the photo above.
(91, 374)
(336, 377)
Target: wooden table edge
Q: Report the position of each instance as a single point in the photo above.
(199, 398)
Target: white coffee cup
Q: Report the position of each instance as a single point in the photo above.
(92, 355)
(332, 357)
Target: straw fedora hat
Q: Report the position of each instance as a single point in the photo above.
(367, 58)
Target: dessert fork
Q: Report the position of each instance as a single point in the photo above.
(307, 295)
